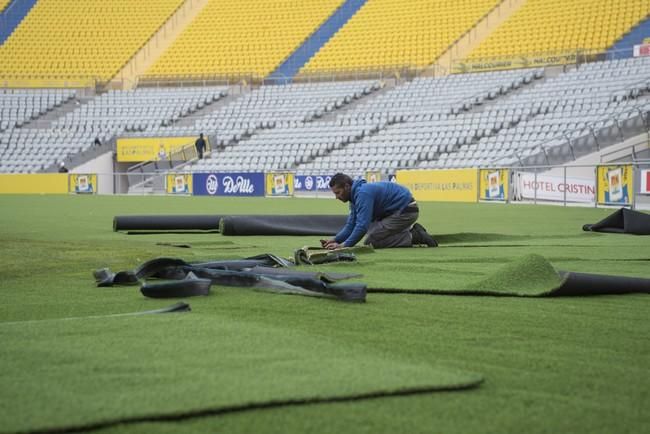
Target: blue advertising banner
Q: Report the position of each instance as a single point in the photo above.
(311, 183)
(228, 184)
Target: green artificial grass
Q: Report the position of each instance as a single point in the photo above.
(573, 364)
(530, 275)
(106, 369)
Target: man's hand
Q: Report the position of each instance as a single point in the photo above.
(330, 244)
(334, 245)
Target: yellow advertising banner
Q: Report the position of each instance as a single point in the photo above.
(372, 176)
(34, 183)
(615, 184)
(453, 185)
(501, 63)
(179, 183)
(493, 184)
(82, 183)
(136, 149)
(279, 184)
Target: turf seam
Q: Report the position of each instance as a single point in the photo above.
(265, 405)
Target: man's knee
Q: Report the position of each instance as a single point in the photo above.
(399, 239)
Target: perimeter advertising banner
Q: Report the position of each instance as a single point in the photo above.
(494, 184)
(645, 181)
(311, 183)
(615, 184)
(82, 183)
(19, 183)
(178, 183)
(136, 149)
(279, 184)
(642, 50)
(453, 185)
(500, 63)
(228, 184)
(372, 176)
(554, 188)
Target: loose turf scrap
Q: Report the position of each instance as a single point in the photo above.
(534, 276)
(101, 372)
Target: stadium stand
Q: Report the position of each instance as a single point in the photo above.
(83, 39)
(419, 121)
(243, 37)
(251, 126)
(576, 112)
(515, 117)
(553, 26)
(518, 116)
(385, 33)
(18, 106)
(24, 150)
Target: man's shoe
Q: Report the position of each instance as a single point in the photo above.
(420, 236)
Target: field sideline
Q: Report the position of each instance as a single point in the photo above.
(576, 364)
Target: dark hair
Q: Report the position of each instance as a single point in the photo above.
(340, 180)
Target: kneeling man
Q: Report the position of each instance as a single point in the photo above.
(385, 211)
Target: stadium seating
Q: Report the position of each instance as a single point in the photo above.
(582, 103)
(24, 150)
(242, 37)
(417, 121)
(511, 120)
(552, 26)
(389, 33)
(70, 38)
(19, 106)
(462, 120)
(259, 126)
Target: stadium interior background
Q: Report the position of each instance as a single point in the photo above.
(513, 100)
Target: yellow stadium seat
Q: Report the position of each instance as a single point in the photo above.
(386, 33)
(553, 26)
(242, 37)
(90, 37)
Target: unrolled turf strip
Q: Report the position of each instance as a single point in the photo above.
(533, 276)
(99, 372)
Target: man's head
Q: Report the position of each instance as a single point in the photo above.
(201, 135)
(341, 186)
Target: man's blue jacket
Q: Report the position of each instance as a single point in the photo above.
(368, 203)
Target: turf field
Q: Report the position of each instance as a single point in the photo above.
(244, 361)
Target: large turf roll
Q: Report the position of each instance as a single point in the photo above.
(166, 222)
(282, 224)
